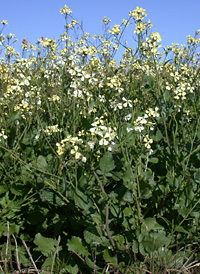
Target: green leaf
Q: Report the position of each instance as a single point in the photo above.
(3, 189)
(15, 116)
(109, 257)
(146, 193)
(42, 163)
(26, 174)
(128, 211)
(128, 196)
(72, 269)
(107, 163)
(166, 95)
(153, 241)
(45, 245)
(47, 195)
(159, 135)
(197, 176)
(195, 214)
(181, 229)
(149, 223)
(153, 160)
(135, 246)
(198, 133)
(75, 244)
(128, 175)
(116, 176)
(90, 263)
(22, 256)
(91, 236)
(160, 239)
(13, 229)
(47, 263)
(120, 241)
(81, 200)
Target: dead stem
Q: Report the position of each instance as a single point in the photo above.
(17, 256)
(35, 267)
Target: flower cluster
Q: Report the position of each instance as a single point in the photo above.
(182, 90)
(52, 129)
(147, 141)
(152, 44)
(4, 22)
(140, 27)
(104, 133)
(54, 98)
(125, 22)
(77, 154)
(2, 135)
(114, 82)
(153, 113)
(138, 14)
(115, 30)
(120, 104)
(79, 81)
(71, 144)
(141, 122)
(66, 10)
(106, 20)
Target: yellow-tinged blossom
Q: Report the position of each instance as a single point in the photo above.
(138, 14)
(66, 10)
(4, 22)
(115, 30)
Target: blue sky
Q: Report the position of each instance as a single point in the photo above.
(173, 19)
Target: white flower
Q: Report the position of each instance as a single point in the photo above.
(102, 98)
(75, 151)
(127, 117)
(91, 144)
(103, 141)
(103, 128)
(142, 120)
(129, 129)
(84, 159)
(72, 72)
(3, 135)
(26, 82)
(73, 85)
(150, 151)
(139, 128)
(78, 93)
(127, 102)
(93, 130)
(85, 74)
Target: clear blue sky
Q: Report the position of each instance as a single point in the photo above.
(173, 19)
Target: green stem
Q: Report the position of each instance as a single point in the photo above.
(99, 181)
(107, 209)
(191, 153)
(56, 191)
(189, 213)
(26, 165)
(107, 225)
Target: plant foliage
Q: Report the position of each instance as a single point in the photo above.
(99, 161)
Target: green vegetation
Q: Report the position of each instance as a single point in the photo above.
(99, 161)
